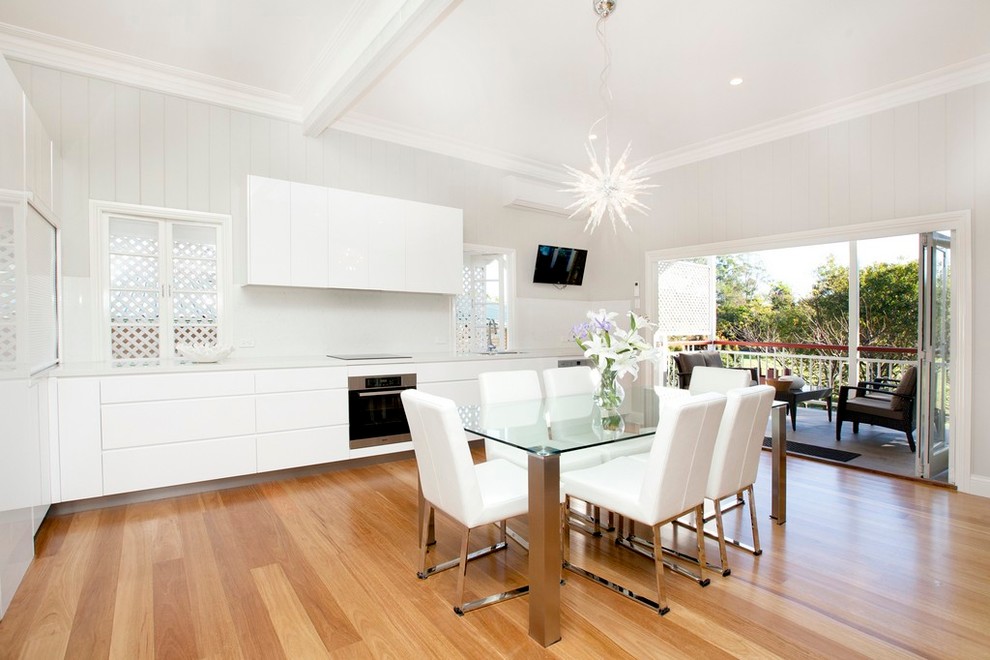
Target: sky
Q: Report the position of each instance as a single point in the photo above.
(796, 266)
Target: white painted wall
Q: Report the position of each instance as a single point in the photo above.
(123, 144)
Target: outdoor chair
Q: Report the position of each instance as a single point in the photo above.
(879, 404)
(688, 360)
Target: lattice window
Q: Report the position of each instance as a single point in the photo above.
(164, 286)
(481, 311)
(686, 297)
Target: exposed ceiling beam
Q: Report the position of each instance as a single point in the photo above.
(353, 63)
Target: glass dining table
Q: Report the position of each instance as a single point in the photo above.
(549, 430)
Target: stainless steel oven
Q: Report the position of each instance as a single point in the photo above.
(375, 410)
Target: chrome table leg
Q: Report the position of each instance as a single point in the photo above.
(544, 548)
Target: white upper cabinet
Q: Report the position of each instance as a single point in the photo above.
(350, 240)
(308, 228)
(269, 237)
(434, 249)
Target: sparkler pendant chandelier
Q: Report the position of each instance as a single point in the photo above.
(606, 189)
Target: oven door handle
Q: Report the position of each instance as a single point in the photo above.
(381, 392)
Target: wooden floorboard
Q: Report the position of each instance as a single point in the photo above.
(325, 566)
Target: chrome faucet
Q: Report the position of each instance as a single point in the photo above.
(492, 331)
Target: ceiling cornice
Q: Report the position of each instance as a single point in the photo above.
(66, 55)
(349, 67)
(934, 83)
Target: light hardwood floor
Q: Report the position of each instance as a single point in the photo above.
(324, 565)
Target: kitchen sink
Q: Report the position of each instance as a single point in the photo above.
(498, 352)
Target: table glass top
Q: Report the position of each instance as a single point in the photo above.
(548, 426)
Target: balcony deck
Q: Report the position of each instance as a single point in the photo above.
(879, 449)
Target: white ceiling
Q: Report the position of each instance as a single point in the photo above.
(510, 82)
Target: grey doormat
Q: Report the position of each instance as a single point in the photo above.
(828, 453)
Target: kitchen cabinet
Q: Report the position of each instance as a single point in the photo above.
(309, 259)
(130, 432)
(269, 235)
(350, 240)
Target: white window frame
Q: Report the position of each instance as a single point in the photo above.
(509, 302)
(99, 216)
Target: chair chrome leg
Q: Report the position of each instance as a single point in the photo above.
(464, 562)
(662, 607)
(699, 521)
(501, 531)
(722, 557)
(757, 550)
(424, 542)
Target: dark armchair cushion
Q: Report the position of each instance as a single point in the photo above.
(905, 389)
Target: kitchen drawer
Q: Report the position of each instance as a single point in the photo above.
(164, 422)
(298, 380)
(126, 389)
(141, 468)
(289, 449)
(301, 410)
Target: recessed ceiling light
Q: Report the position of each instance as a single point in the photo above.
(735, 81)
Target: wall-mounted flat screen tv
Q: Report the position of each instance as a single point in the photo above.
(559, 265)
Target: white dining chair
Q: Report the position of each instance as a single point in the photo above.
(566, 381)
(472, 495)
(735, 462)
(656, 491)
(507, 387)
(718, 379)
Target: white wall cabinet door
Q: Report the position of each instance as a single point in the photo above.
(269, 232)
(434, 248)
(308, 226)
(39, 162)
(348, 220)
(386, 243)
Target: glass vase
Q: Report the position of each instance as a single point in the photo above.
(608, 397)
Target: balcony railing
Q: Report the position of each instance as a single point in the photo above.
(824, 365)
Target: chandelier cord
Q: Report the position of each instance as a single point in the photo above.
(604, 90)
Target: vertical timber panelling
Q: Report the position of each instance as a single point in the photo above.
(240, 164)
(881, 172)
(838, 174)
(733, 195)
(798, 182)
(780, 191)
(931, 155)
(297, 156)
(818, 179)
(176, 150)
(278, 154)
(152, 149)
(102, 168)
(906, 162)
(220, 152)
(705, 202)
(261, 143)
(127, 144)
(75, 175)
(981, 267)
(959, 153)
(198, 156)
(860, 184)
(331, 159)
(314, 161)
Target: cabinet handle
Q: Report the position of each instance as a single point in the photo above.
(380, 393)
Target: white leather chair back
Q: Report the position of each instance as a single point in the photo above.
(505, 386)
(565, 381)
(736, 459)
(681, 456)
(716, 379)
(443, 458)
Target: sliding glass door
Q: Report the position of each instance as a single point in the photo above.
(935, 338)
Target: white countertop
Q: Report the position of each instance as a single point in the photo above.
(233, 363)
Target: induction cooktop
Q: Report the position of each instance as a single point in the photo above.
(369, 356)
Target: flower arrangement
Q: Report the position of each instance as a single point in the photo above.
(616, 351)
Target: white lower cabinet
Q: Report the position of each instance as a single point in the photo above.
(165, 422)
(119, 434)
(140, 468)
(289, 449)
